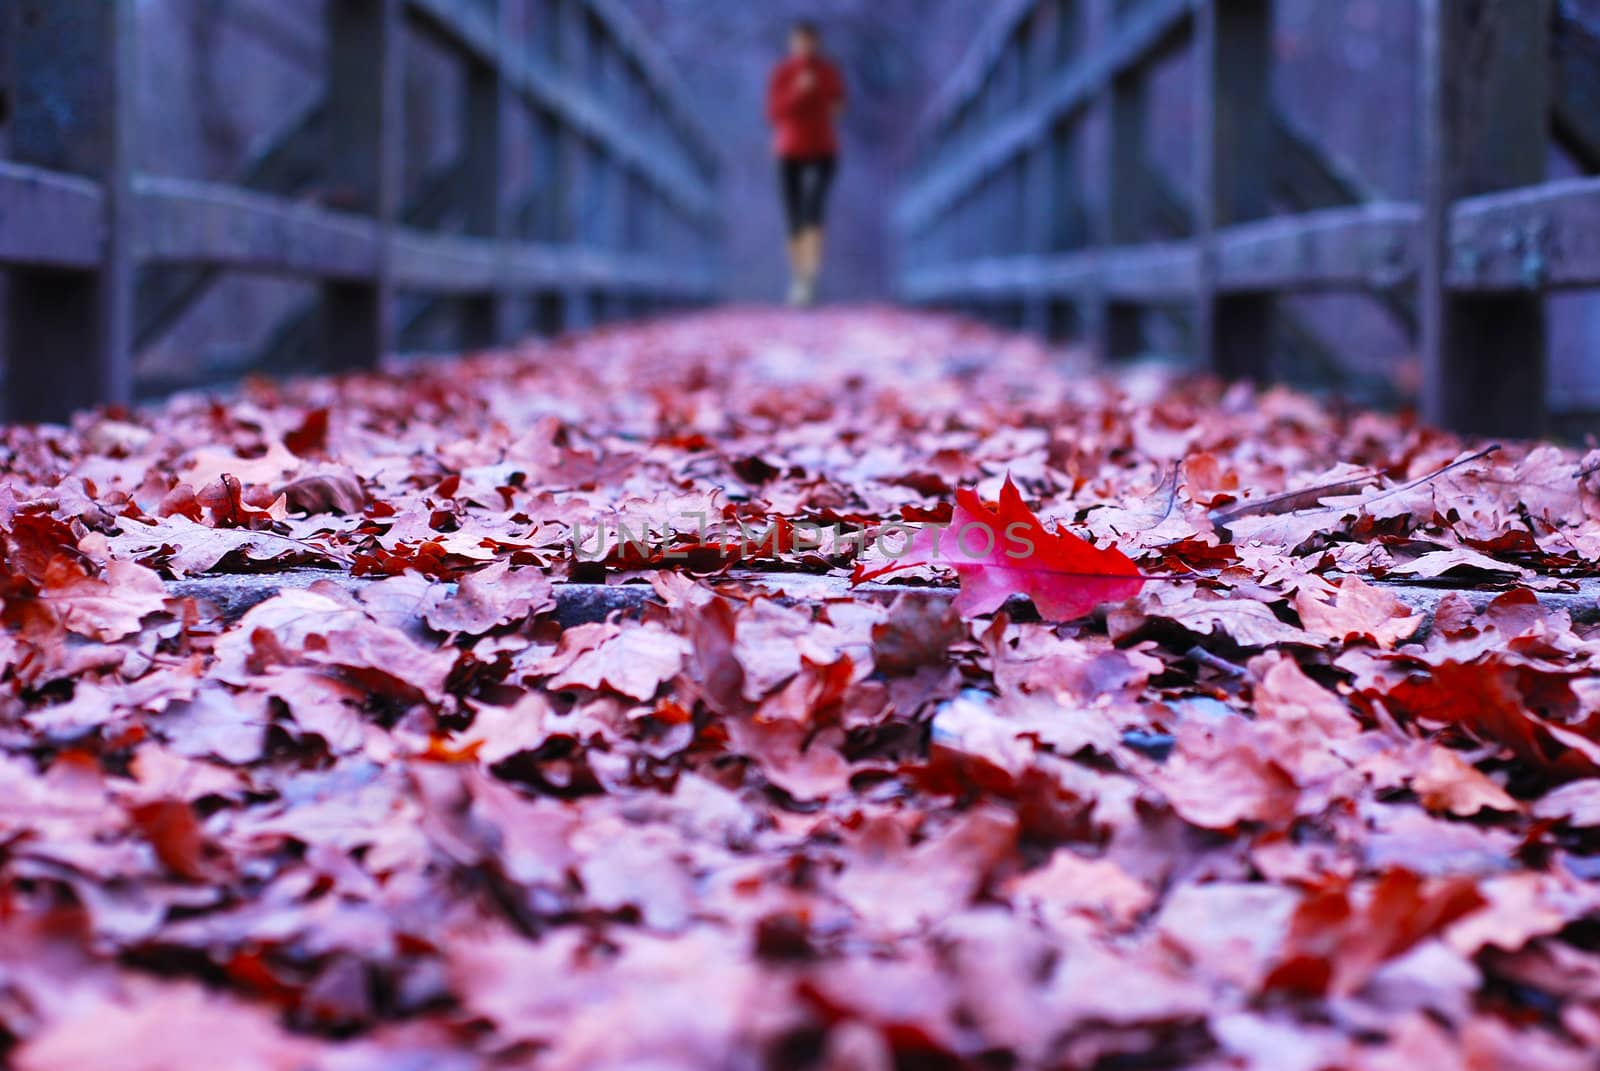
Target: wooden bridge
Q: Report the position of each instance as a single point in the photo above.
(614, 209)
(1002, 216)
(620, 218)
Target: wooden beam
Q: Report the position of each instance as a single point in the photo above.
(444, 263)
(1575, 88)
(1540, 238)
(73, 66)
(289, 164)
(1150, 274)
(204, 223)
(486, 320)
(1367, 247)
(575, 156)
(364, 155)
(1125, 213)
(1037, 190)
(1149, 31)
(1485, 77)
(1233, 64)
(231, 596)
(1137, 275)
(559, 88)
(964, 83)
(1306, 178)
(50, 220)
(223, 227)
(1303, 176)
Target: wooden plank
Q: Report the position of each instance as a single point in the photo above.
(364, 160)
(1068, 223)
(1485, 76)
(1037, 191)
(964, 83)
(49, 220)
(534, 268)
(1366, 247)
(1233, 65)
(557, 88)
(548, 195)
(1304, 177)
(444, 263)
(183, 222)
(581, 112)
(288, 164)
(230, 597)
(1119, 326)
(667, 88)
(1150, 30)
(1146, 274)
(73, 66)
(1536, 239)
(1150, 274)
(1575, 87)
(486, 319)
(1371, 246)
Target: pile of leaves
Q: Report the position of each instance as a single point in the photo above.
(1256, 812)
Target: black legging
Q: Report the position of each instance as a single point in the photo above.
(806, 182)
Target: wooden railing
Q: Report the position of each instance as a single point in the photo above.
(995, 214)
(622, 219)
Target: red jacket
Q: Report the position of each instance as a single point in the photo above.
(803, 114)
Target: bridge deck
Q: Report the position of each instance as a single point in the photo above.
(425, 813)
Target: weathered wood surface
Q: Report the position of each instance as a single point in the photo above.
(1539, 239)
(1149, 31)
(1575, 87)
(183, 222)
(1485, 77)
(75, 222)
(286, 166)
(555, 90)
(1233, 69)
(50, 220)
(233, 595)
(1466, 267)
(1370, 246)
(364, 157)
(1543, 238)
(1126, 210)
(72, 95)
(486, 119)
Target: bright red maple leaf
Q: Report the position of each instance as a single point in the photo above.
(1008, 551)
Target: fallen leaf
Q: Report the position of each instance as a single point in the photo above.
(1006, 551)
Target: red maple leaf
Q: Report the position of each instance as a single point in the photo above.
(1007, 551)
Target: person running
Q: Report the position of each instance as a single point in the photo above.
(806, 95)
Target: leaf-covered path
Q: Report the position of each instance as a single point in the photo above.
(1254, 812)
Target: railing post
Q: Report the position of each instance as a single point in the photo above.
(1039, 189)
(69, 334)
(1485, 90)
(1039, 185)
(364, 157)
(573, 27)
(487, 319)
(549, 165)
(1118, 326)
(1234, 67)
